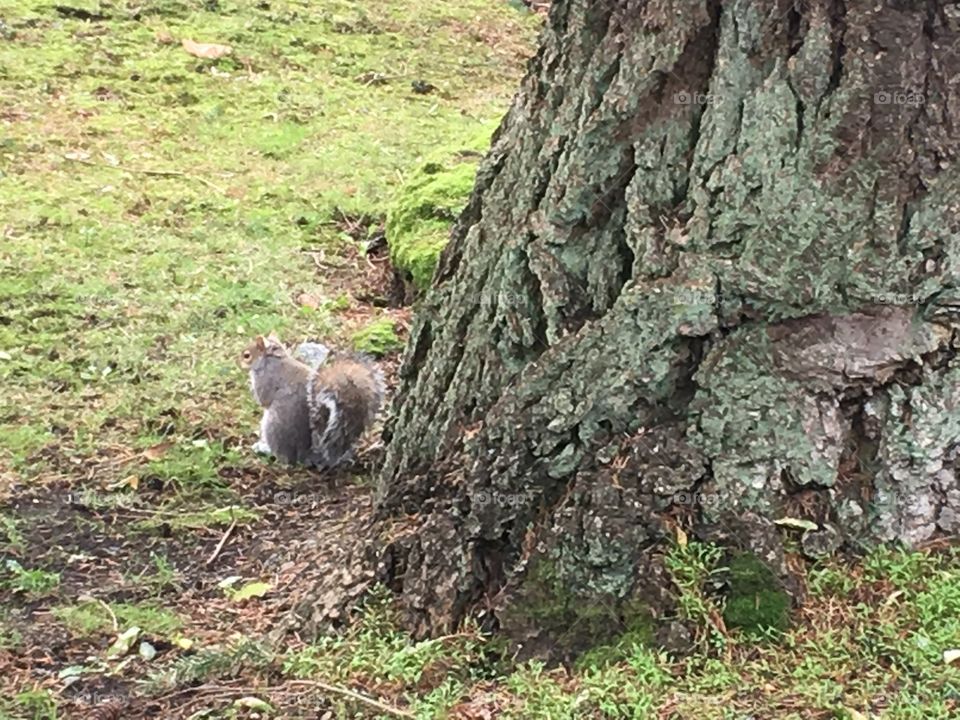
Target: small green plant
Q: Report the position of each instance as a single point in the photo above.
(8, 528)
(830, 578)
(29, 705)
(191, 464)
(691, 565)
(34, 583)
(163, 577)
(539, 693)
(10, 637)
(213, 663)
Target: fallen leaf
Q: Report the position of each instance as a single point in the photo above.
(165, 38)
(950, 656)
(131, 481)
(208, 51)
(681, 538)
(121, 646)
(157, 451)
(253, 703)
(250, 590)
(229, 582)
(71, 671)
(797, 523)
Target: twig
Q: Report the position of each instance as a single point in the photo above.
(206, 691)
(113, 618)
(320, 260)
(143, 171)
(348, 693)
(219, 547)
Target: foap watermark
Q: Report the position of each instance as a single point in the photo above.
(696, 498)
(482, 498)
(294, 499)
(899, 97)
(686, 97)
(90, 498)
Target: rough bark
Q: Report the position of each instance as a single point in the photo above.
(712, 253)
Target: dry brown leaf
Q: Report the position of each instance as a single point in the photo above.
(165, 38)
(208, 51)
(157, 451)
(131, 481)
(681, 537)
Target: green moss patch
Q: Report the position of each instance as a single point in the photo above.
(379, 338)
(755, 602)
(419, 220)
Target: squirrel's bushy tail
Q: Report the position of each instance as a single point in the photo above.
(344, 397)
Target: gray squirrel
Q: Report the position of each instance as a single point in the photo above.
(312, 416)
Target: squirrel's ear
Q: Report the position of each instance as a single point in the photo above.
(261, 344)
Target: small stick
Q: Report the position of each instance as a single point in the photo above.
(113, 618)
(219, 547)
(362, 699)
(154, 173)
(116, 625)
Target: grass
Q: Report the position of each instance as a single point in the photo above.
(126, 294)
(87, 618)
(870, 650)
(157, 210)
(33, 582)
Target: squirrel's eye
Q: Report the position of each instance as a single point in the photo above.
(246, 354)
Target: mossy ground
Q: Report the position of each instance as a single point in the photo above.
(156, 210)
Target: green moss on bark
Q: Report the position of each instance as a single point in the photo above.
(573, 620)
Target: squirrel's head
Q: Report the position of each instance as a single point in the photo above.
(261, 347)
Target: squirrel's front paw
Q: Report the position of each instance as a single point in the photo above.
(260, 447)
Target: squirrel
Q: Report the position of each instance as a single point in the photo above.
(311, 416)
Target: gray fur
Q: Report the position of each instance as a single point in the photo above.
(305, 422)
(287, 426)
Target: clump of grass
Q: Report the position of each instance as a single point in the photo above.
(32, 582)
(210, 517)
(34, 704)
(88, 618)
(10, 529)
(375, 646)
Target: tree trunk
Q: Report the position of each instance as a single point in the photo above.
(708, 276)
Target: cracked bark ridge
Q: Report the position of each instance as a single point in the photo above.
(713, 251)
